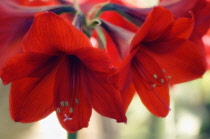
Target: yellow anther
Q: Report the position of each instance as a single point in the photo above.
(71, 110)
(155, 76)
(154, 85)
(163, 71)
(162, 81)
(62, 103)
(58, 110)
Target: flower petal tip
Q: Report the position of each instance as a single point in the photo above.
(122, 120)
(163, 115)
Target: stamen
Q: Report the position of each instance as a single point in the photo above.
(77, 101)
(66, 103)
(162, 81)
(67, 118)
(163, 71)
(62, 103)
(71, 110)
(58, 110)
(155, 76)
(169, 77)
(154, 85)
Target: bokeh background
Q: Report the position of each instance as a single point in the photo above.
(189, 117)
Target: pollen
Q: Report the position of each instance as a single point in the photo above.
(154, 85)
(169, 77)
(155, 76)
(162, 81)
(77, 101)
(62, 103)
(163, 71)
(71, 110)
(58, 110)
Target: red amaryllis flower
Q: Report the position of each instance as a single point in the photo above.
(161, 50)
(60, 71)
(15, 21)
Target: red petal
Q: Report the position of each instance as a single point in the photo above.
(37, 2)
(97, 64)
(151, 84)
(31, 98)
(23, 65)
(112, 51)
(162, 47)
(120, 37)
(8, 51)
(186, 63)
(173, 37)
(14, 24)
(106, 100)
(156, 23)
(118, 20)
(181, 28)
(95, 59)
(49, 34)
(70, 86)
(127, 95)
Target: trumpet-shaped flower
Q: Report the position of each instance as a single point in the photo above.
(60, 71)
(160, 54)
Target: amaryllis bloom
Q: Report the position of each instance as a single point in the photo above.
(60, 71)
(160, 54)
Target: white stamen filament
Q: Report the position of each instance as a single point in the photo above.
(67, 118)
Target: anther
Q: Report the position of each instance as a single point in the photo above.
(163, 71)
(155, 76)
(77, 101)
(154, 85)
(162, 81)
(169, 77)
(62, 103)
(71, 110)
(67, 118)
(66, 103)
(58, 110)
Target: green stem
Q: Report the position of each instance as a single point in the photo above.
(72, 136)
